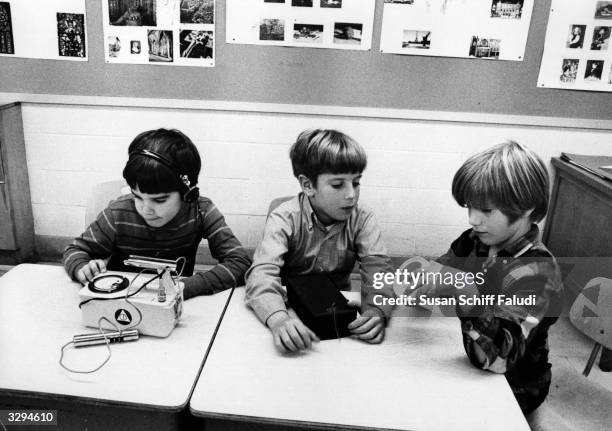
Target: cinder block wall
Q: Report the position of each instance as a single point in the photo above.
(411, 164)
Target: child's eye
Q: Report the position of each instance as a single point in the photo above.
(356, 184)
(486, 210)
(337, 186)
(160, 201)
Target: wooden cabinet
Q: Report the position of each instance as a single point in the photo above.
(16, 221)
(578, 228)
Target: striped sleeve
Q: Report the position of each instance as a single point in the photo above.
(97, 242)
(233, 259)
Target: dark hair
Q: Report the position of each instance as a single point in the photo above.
(152, 176)
(317, 152)
(508, 176)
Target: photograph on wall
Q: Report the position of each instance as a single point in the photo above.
(593, 70)
(603, 10)
(506, 8)
(48, 30)
(420, 39)
(301, 3)
(160, 46)
(159, 32)
(484, 47)
(601, 38)
(197, 11)
(135, 47)
(331, 3)
(196, 44)
(569, 70)
(477, 29)
(272, 29)
(331, 24)
(577, 39)
(308, 33)
(6, 29)
(132, 12)
(71, 34)
(348, 32)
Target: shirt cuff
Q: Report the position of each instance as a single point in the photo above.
(267, 304)
(195, 286)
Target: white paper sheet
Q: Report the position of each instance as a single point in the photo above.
(489, 29)
(162, 32)
(50, 29)
(338, 24)
(577, 51)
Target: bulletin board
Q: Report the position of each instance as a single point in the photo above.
(328, 77)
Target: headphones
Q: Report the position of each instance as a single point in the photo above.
(191, 192)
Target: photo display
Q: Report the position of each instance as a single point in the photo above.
(53, 29)
(168, 32)
(335, 24)
(577, 53)
(484, 29)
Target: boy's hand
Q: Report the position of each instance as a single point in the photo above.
(369, 327)
(90, 270)
(290, 334)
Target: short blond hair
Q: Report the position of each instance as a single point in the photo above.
(508, 176)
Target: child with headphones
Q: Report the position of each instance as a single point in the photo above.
(164, 217)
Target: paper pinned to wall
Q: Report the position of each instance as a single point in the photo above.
(169, 32)
(51, 29)
(337, 24)
(577, 51)
(489, 29)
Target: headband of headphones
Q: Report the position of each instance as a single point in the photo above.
(192, 192)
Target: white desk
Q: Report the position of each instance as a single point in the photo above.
(418, 379)
(39, 313)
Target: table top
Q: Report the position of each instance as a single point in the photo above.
(39, 313)
(418, 378)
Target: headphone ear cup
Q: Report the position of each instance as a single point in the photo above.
(192, 194)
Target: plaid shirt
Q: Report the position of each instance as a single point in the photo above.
(295, 242)
(514, 338)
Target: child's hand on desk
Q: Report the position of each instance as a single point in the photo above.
(290, 334)
(88, 271)
(369, 327)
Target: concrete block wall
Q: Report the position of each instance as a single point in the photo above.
(70, 148)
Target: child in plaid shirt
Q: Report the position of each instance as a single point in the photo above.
(505, 190)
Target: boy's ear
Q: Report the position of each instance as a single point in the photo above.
(306, 185)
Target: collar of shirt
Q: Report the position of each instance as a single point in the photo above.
(511, 250)
(309, 212)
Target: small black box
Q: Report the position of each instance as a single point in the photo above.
(320, 305)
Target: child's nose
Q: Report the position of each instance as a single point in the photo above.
(474, 217)
(350, 192)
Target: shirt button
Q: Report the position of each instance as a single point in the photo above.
(505, 261)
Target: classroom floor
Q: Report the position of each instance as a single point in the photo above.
(575, 402)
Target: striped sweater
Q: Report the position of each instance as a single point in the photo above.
(119, 231)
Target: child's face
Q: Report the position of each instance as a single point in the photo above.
(157, 209)
(334, 197)
(493, 227)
